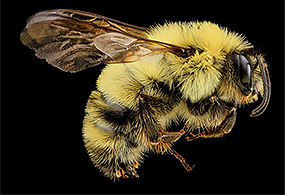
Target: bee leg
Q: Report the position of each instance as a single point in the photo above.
(148, 128)
(161, 141)
(186, 132)
(173, 136)
(192, 136)
(128, 171)
(182, 160)
(121, 173)
(131, 169)
(224, 128)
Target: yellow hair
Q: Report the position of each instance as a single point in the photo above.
(197, 76)
(204, 35)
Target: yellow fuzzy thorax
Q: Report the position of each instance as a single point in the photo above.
(199, 75)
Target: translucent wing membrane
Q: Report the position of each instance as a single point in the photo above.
(65, 38)
(75, 40)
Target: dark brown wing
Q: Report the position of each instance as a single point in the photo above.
(65, 38)
(75, 40)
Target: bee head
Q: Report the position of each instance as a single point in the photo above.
(248, 67)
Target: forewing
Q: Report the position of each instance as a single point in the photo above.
(75, 40)
(66, 38)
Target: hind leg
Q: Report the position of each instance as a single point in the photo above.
(160, 140)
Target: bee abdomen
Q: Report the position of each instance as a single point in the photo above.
(109, 139)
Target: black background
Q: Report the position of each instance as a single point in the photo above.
(43, 109)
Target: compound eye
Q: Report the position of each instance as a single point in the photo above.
(244, 69)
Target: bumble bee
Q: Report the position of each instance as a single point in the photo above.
(193, 73)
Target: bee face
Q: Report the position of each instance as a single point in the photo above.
(196, 72)
(251, 77)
